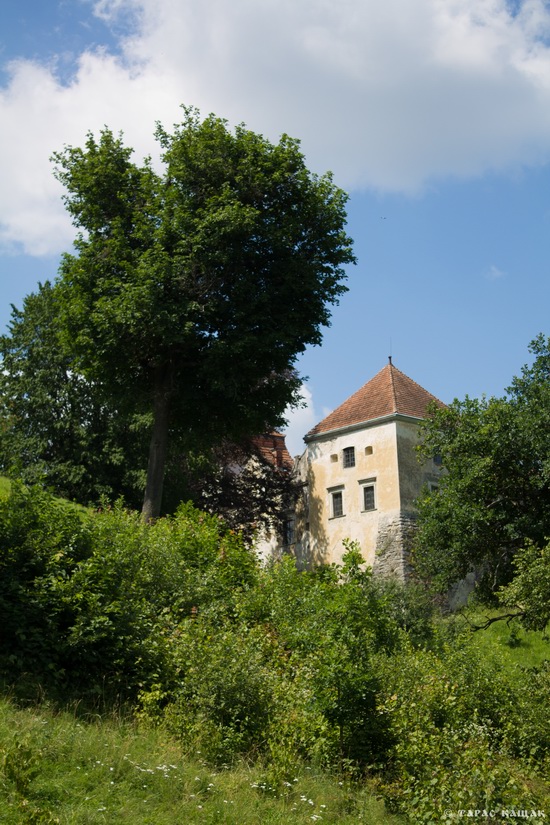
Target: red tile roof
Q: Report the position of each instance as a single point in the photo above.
(272, 448)
(390, 392)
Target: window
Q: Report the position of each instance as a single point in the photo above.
(369, 496)
(289, 532)
(348, 456)
(337, 503)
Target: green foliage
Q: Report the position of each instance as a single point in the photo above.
(222, 689)
(55, 426)
(328, 669)
(191, 294)
(84, 599)
(495, 495)
(42, 540)
(529, 592)
(286, 673)
(459, 728)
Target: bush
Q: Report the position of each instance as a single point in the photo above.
(85, 598)
(221, 696)
(327, 667)
(288, 672)
(455, 720)
(42, 540)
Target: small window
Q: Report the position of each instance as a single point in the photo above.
(289, 532)
(368, 450)
(337, 500)
(334, 458)
(369, 498)
(348, 456)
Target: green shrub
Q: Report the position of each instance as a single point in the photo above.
(86, 601)
(288, 672)
(327, 668)
(455, 721)
(221, 697)
(42, 540)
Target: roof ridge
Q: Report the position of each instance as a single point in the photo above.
(392, 383)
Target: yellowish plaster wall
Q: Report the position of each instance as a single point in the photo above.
(413, 475)
(375, 460)
(385, 454)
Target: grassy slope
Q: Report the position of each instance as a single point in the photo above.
(59, 769)
(508, 644)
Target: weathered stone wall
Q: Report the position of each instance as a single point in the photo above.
(393, 546)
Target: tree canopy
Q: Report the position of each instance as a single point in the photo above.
(192, 292)
(495, 497)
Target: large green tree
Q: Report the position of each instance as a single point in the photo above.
(192, 291)
(495, 495)
(58, 429)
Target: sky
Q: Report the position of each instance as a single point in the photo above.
(434, 116)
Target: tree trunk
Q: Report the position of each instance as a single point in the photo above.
(152, 500)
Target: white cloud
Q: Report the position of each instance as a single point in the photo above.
(494, 273)
(300, 421)
(388, 95)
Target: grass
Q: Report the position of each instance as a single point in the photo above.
(60, 770)
(508, 644)
(5, 490)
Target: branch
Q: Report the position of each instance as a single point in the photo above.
(489, 621)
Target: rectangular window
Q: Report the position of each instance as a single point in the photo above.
(289, 532)
(369, 499)
(337, 503)
(348, 456)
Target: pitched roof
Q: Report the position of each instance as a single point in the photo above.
(272, 448)
(390, 392)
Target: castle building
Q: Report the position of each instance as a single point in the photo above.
(361, 476)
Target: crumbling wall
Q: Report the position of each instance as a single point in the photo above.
(393, 546)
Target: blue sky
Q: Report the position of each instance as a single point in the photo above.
(434, 116)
